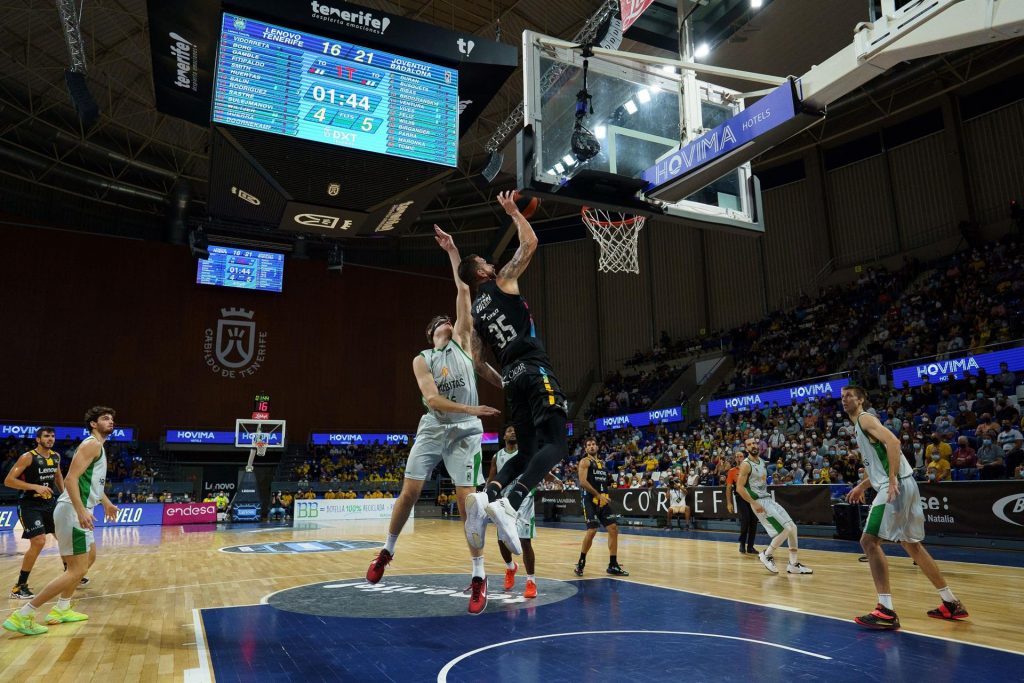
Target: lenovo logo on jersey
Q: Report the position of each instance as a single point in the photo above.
(315, 220)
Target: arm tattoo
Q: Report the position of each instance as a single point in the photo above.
(513, 268)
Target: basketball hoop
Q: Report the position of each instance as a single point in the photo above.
(616, 232)
(261, 448)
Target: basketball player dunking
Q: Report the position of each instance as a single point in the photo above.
(537, 407)
(895, 515)
(73, 524)
(450, 429)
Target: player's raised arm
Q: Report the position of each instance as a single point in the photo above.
(508, 276)
(462, 328)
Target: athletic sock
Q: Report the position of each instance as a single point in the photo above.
(389, 544)
(517, 495)
(947, 594)
(792, 557)
(478, 567)
(27, 610)
(885, 600)
(529, 577)
(63, 603)
(493, 491)
(510, 565)
(583, 558)
(613, 561)
(23, 577)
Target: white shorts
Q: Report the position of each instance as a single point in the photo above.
(900, 520)
(71, 538)
(774, 518)
(457, 444)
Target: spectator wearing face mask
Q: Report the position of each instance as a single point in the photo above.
(948, 402)
(964, 460)
(937, 445)
(1006, 379)
(940, 466)
(1009, 437)
(917, 460)
(982, 404)
(990, 459)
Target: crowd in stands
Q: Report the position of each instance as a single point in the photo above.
(357, 464)
(970, 301)
(631, 393)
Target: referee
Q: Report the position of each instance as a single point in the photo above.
(748, 522)
(37, 475)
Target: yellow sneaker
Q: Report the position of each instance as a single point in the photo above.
(63, 616)
(26, 625)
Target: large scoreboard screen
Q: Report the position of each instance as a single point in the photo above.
(243, 268)
(288, 82)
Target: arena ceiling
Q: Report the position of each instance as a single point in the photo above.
(121, 172)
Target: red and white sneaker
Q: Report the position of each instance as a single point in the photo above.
(376, 568)
(510, 576)
(477, 595)
(531, 589)
(880, 619)
(949, 610)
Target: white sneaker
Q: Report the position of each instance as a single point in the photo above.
(504, 517)
(768, 561)
(476, 519)
(798, 569)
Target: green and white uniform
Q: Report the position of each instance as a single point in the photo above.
(453, 437)
(774, 518)
(72, 539)
(902, 519)
(526, 522)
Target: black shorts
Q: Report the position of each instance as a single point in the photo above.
(597, 516)
(533, 393)
(36, 519)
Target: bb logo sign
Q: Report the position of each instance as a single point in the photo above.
(237, 348)
(1010, 509)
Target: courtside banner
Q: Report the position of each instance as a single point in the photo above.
(8, 518)
(810, 504)
(189, 513)
(984, 508)
(796, 394)
(132, 514)
(955, 368)
(332, 510)
(648, 417)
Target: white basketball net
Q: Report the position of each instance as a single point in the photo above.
(616, 233)
(260, 444)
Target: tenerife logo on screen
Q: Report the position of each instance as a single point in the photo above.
(236, 349)
(186, 57)
(364, 20)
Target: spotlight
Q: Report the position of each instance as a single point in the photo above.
(755, 4)
(702, 51)
(630, 106)
(644, 96)
(601, 132)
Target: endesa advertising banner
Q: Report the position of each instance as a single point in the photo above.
(189, 513)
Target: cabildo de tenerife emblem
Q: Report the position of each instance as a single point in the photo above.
(236, 349)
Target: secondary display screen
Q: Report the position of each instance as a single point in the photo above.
(244, 268)
(293, 83)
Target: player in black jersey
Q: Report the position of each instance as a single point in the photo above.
(536, 405)
(37, 475)
(594, 480)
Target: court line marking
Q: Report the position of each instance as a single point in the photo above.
(201, 674)
(825, 616)
(442, 676)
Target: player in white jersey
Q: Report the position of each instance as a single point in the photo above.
(895, 515)
(451, 428)
(526, 525)
(752, 485)
(73, 523)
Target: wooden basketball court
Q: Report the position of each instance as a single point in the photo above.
(153, 587)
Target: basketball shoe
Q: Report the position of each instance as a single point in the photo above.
(64, 616)
(21, 592)
(949, 610)
(531, 589)
(25, 625)
(881, 619)
(477, 595)
(376, 569)
(476, 519)
(768, 561)
(504, 517)
(510, 576)
(797, 568)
